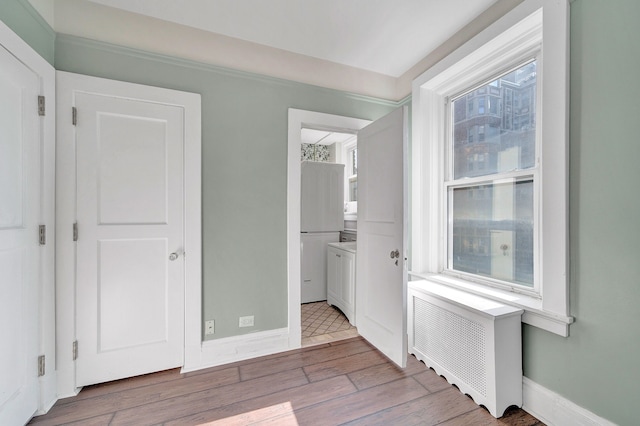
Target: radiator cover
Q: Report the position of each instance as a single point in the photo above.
(475, 343)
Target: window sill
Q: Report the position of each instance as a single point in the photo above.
(534, 314)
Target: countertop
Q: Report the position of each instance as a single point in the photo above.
(349, 246)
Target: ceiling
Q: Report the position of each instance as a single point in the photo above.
(382, 36)
(322, 137)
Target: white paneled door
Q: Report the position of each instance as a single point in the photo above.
(381, 271)
(130, 222)
(20, 210)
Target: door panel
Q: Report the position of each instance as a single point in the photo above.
(135, 268)
(130, 213)
(139, 146)
(19, 248)
(11, 160)
(381, 275)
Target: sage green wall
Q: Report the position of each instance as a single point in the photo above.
(598, 367)
(244, 170)
(23, 19)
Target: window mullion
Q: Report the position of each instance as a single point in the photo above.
(492, 179)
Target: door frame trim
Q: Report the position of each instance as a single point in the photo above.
(24, 53)
(297, 119)
(67, 84)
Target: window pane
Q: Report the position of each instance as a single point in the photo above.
(353, 190)
(492, 231)
(508, 125)
(354, 161)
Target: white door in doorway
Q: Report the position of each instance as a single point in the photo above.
(381, 274)
(130, 284)
(20, 210)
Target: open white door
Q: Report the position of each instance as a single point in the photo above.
(20, 207)
(381, 272)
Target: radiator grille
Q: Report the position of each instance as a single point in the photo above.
(454, 342)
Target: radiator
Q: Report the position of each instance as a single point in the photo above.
(475, 343)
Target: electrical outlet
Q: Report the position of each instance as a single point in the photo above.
(209, 327)
(246, 321)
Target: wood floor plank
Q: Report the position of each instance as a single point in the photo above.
(517, 416)
(302, 358)
(124, 384)
(477, 417)
(384, 373)
(430, 380)
(168, 409)
(428, 410)
(248, 362)
(103, 420)
(253, 410)
(349, 364)
(363, 403)
(481, 417)
(283, 412)
(136, 397)
(286, 420)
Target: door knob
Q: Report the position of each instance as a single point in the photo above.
(394, 254)
(173, 256)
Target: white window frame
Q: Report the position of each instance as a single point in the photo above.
(351, 207)
(535, 28)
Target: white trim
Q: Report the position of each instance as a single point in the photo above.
(535, 25)
(75, 42)
(65, 248)
(298, 119)
(48, 383)
(46, 291)
(554, 409)
(68, 84)
(193, 230)
(239, 348)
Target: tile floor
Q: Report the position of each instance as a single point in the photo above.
(322, 323)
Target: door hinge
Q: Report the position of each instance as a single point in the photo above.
(75, 231)
(74, 116)
(41, 366)
(42, 234)
(41, 106)
(75, 350)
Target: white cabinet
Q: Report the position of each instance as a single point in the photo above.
(314, 265)
(341, 278)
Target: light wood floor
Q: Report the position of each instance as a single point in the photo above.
(345, 382)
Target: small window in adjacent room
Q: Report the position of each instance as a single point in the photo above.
(349, 157)
(490, 166)
(352, 173)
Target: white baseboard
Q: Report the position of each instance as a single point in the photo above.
(239, 348)
(554, 409)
